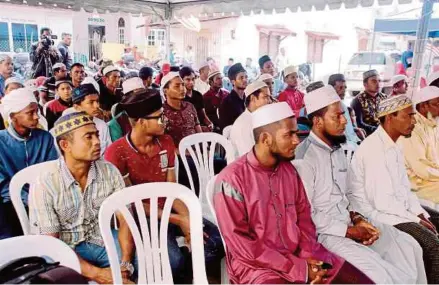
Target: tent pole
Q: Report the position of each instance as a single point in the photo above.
(421, 38)
(168, 18)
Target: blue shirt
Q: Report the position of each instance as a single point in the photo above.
(17, 153)
(279, 86)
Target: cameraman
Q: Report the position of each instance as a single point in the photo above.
(44, 55)
(63, 48)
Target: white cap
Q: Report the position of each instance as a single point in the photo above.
(132, 84)
(397, 78)
(253, 87)
(91, 80)
(58, 65)
(320, 98)
(31, 84)
(12, 80)
(213, 73)
(271, 113)
(202, 65)
(168, 77)
(109, 69)
(264, 77)
(289, 70)
(426, 94)
(432, 77)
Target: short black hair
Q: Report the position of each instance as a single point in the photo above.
(43, 29)
(248, 98)
(175, 68)
(231, 59)
(186, 71)
(65, 137)
(318, 113)
(383, 118)
(270, 128)
(146, 72)
(76, 64)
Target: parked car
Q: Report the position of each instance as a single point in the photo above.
(360, 62)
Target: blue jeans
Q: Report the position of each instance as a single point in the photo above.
(180, 258)
(97, 255)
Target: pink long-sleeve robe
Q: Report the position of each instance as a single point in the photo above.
(265, 219)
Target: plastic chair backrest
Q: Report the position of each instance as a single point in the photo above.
(38, 245)
(151, 241)
(203, 157)
(29, 176)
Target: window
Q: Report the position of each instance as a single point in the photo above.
(156, 38)
(23, 35)
(121, 25)
(4, 37)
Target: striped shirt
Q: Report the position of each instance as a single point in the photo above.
(58, 204)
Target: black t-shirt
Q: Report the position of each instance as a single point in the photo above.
(198, 102)
(107, 99)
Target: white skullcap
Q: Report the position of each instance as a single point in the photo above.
(132, 84)
(109, 69)
(16, 101)
(397, 78)
(426, 94)
(168, 77)
(264, 77)
(253, 87)
(91, 80)
(271, 113)
(202, 65)
(213, 73)
(12, 80)
(31, 84)
(58, 65)
(320, 98)
(3, 57)
(289, 70)
(432, 77)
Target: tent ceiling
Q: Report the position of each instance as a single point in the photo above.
(200, 7)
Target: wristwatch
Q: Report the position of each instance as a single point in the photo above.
(127, 265)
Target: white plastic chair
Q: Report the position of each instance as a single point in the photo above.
(227, 131)
(29, 176)
(151, 241)
(209, 195)
(42, 246)
(203, 160)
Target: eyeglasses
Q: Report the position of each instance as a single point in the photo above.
(161, 119)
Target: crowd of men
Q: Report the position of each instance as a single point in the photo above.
(290, 209)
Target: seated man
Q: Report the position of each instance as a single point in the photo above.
(13, 83)
(264, 214)
(22, 145)
(257, 95)
(86, 99)
(379, 188)
(214, 97)
(55, 108)
(421, 150)
(146, 155)
(383, 253)
(66, 200)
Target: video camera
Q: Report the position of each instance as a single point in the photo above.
(47, 41)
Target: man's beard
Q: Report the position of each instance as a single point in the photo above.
(335, 140)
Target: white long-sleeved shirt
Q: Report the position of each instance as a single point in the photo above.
(201, 86)
(324, 172)
(241, 134)
(378, 185)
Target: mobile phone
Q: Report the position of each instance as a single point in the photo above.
(326, 266)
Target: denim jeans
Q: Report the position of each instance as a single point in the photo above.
(97, 255)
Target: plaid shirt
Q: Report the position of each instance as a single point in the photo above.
(58, 204)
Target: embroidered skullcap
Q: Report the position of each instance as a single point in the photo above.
(71, 122)
(320, 98)
(213, 73)
(393, 104)
(253, 87)
(369, 74)
(271, 113)
(336, 77)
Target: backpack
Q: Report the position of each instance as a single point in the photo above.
(36, 270)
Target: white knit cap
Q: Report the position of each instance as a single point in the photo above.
(109, 69)
(213, 73)
(91, 80)
(397, 78)
(12, 80)
(132, 84)
(426, 94)
(168, 77)
(320, 98)
(253, 87)
(289, 70)
(264, 77)
(58, 65)
(432, 77)
(202, 65)
(16, 101)
(271, 113)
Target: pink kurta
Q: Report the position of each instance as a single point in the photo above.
(294, 98)
(265, 219)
